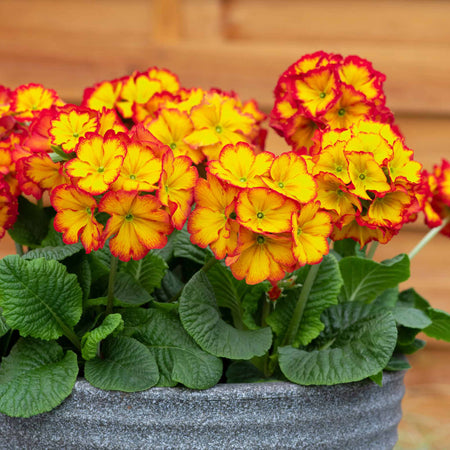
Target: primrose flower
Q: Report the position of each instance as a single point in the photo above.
(171, 127)
(140, 171)
(212, 222)
(75, 216)
(176, 187)
(264, 211)
(8, 208)
(289, 176)
(69, 126)
(310, 230)
(326, 91)
(137, 224)
(240, 166)
(98, 162)
(260, 257)
(28, 99)
(102, 95)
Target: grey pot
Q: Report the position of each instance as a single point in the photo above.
(233, 416)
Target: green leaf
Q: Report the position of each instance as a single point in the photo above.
(125, 365)
(179, 359)
(324, 292)
(411, 297)
(377, 378)
(347, 247)
(407, 315)
(148, 271)
(364, 279)
(397, 362)
(171, 286)
(32, 223)
(200, 317)
(100, 261)
(78, 264)
(355, 344)
(4, 328)
(53, 238)
(39, 297)
(241, 298)
(440, 326)
(408, 349)
(128, 291)
(184, 248)
(36, 377)
(91, 340)
(56, 253)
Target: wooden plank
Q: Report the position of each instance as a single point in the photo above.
(203, 19)
(349, 20)
(167, 20)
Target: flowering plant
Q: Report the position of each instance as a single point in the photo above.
(165, 246)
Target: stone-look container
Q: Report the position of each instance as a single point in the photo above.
(229, 416)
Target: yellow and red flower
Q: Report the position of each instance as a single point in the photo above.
(8, 208)
(75, 216)
(98, 162)
(137, 224)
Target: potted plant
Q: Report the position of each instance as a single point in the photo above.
(159, 245)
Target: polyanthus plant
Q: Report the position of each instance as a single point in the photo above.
(176, 250)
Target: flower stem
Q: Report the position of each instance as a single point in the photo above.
(372, 249)
(19, 248)
(112, 280)
(294, 324)
(427, 238)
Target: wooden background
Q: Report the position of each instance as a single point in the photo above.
(244, 45)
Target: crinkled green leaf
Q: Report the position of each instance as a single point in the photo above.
(100, 261)
(355, 344)
(324, 293)
(179, 358)
(4, 328)
(91, 340)
(365, 279)
(78, 264)
(31, 225)
(184, 248)
(201, 318)
(36, 377)
(148, 271)
(171, 286)
(408, 316)
(241, 298)
(440, 326)
(124, 364)
(128, 290)
(56, 253)
(39, 297)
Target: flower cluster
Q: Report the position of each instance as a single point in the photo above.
(259, 211)
(367, 179)
(192, 122)
(436, 197)
(326, 91)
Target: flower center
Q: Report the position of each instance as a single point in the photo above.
(260, 215)
(338, 168)
(299, 231)
(88, 210)
(260, 239)
(100, 169)
(173, 146)
(75, 135)
(129, 217)
(341, 112)
(233, 215)
(281, 185)
(242, 179)
(340, 193)
(132, 177)
(322, 95)
(218, 129)
(362, 176)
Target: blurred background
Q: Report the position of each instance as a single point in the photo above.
(244, 45)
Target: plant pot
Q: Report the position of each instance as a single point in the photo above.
(262, 415)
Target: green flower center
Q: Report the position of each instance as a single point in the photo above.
(260, 239)
(242, 179)
(173, 146)
(322, 95)
(299, 231)
(338, 168)
(88, 210)
(340, 193)
(75, 135)
(281, 185)
(362, 176)
(218, 129)
(100, 169)
(341, 112)
(132, 177)
(129, 217)
(260, 215)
